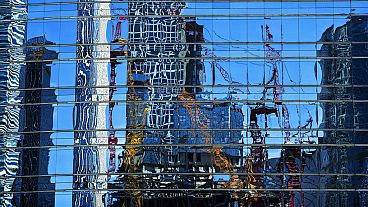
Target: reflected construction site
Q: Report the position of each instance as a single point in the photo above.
(175, 103)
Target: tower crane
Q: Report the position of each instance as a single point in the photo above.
(112, 139)
(137, 121)
(219, 158)
(137, 118)
(289, 154)
(289, 159)
(226, 75)
(258, 153)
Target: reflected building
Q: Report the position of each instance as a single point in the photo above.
(35, 118)
(175, 71)
(156, 39)
(90, 110)
(159, 40)
(191, 158)
(167, 51)
(194, 71)
(193, 78)
(12, 37)
(347, 114)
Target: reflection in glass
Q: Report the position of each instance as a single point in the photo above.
(183, 103)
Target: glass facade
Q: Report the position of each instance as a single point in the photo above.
(183, 103)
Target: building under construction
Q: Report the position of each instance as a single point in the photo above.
(141, 103)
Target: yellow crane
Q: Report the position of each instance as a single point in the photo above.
(253, 195)
(134, 137)
(219, 157)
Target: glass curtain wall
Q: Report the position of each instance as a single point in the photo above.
(183, 103)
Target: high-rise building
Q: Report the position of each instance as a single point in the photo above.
(220, 116)
(12, 36)
(158, 39)
(167, 49)
(90, 110)
(156, 49)
(345, 112)
(194, 75)
(87, 120)
(194, 72)
(34, 158)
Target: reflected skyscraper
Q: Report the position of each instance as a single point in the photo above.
(159, 41)
(90, 109)
(166, 49)
(346, 116)
(156, 39)
(12, 36)
(35, 118)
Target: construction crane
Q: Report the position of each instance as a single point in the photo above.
(302, 155)
(258, 157)
(256, 162)
(116, 33)
(289, 162)
(258, 153)
(289, 154)
(137, 121)
(114, 56)
(273, 57)
(137, 117)
(252, 196)
(226, 75)
(219, 157)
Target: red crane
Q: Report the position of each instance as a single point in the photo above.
(259, 153)
(290, 154)
(114, 55)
